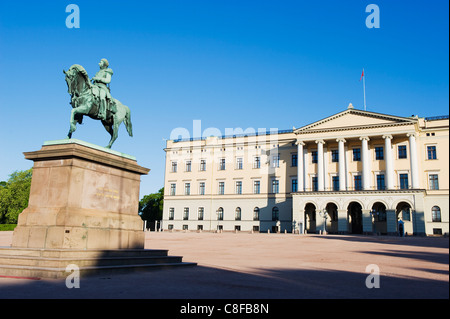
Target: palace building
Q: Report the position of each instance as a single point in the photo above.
(355, 172)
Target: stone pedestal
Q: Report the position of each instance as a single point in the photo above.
(82, 197)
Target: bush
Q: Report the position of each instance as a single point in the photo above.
(7, 227)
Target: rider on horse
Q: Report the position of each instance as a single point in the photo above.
(101, 90)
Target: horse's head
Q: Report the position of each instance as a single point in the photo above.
(77, 80)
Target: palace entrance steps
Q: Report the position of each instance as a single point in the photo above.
(53, 263)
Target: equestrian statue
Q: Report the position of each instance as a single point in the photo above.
(93, 98)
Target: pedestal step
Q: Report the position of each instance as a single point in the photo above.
(52, 263)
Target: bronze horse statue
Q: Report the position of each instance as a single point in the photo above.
(85, 102)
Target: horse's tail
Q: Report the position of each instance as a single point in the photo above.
(127, 121)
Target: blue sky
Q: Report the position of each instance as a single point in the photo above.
(230, 64)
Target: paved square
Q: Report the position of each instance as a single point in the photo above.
(266, 266)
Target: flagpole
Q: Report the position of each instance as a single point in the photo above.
(364, 88)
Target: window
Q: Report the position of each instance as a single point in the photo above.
(239, 187)
(220, 213)
(201, 188)
(174, 167)
(294, 185)
(171, 213)
(379, 153)
(221, 188)
(275, 214)
(434, 181)
(222, 164)
(256, 187)
(356, 154)
(436, 214)
(402, 151)
(315, 185)
(173, 189)
(201, 211)
(380, 182)
(431, 152)
(187, 189)
(335, 180)
(276, 161)
(275, 186)
(185, 227)
(239, 163)
(314, 157)
(404, 181)
(257, 162)
(335, 156)
(203, 165)
(294, 160)
(186, 213)
(188, 166)
(256, 213)
(199, 227)
(357, 182)
(237, 213)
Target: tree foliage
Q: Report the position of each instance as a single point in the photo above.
(14, 195)
(151, 206)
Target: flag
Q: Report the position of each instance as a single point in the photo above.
(362, 75)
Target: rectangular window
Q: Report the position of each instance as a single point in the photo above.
(402, 151)
(436, 214)
(171, 213)
(186, 213)
(275, 186)
(356, 154)
(203, 165)
(256, 187)
(276, 161)
(315, 185)
(239, 163)
(201, 188)
(222, 164)
(379, 153)
(294, 160)
(335, 156)
(174, 167)
(431, 152)
(221, 188)
(294, 185)
(257, 162)
(173, 189)
(357, 182)
(187, 189)
(404, 181)
(239, 187)
(434, 181)
(201, 211)
(188, 166)
(314, 157)
(335, 180)
(380, 182)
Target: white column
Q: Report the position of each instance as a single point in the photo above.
(300, 170)
(320, 169)
(389, 160)
(413, 160)
(342, 175)
(365, 162)
(305, 168)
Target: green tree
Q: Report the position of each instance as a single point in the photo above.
(14, 195)
(151, 207)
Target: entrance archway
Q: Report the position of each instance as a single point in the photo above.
(310, 218)
(404, 213)
(379, 224)
(355, 218)
(332, 221)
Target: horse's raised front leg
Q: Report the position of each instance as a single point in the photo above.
(73, 125)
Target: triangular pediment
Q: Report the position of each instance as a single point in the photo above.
(355, 119)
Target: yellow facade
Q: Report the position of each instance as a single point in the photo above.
(353, 172)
